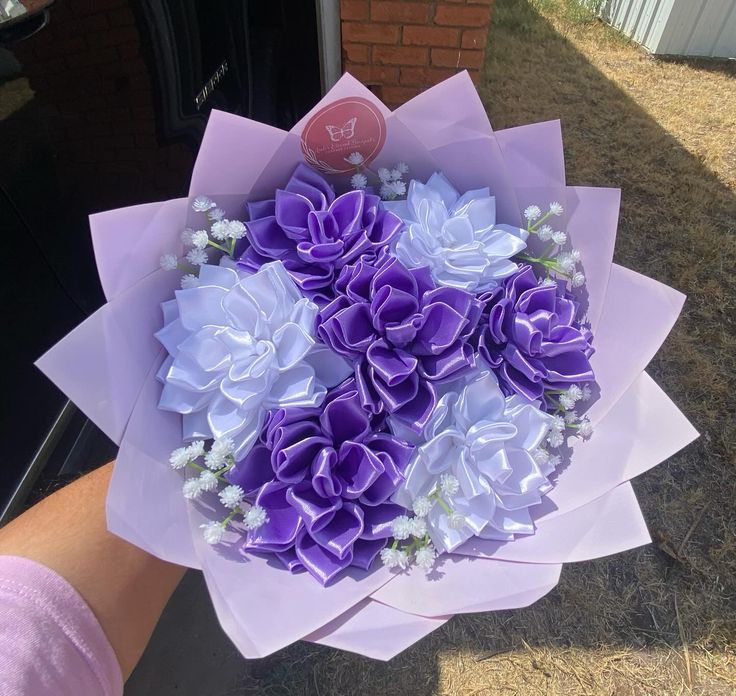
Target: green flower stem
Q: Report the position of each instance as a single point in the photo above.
(548, 263)
(544, 217)
(223, 471)
(219, 246)
(443, 504)
(233, 512)
(544, 261)
(219, 474)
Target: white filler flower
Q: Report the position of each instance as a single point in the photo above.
(212, 532)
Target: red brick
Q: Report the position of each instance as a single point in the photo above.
(113, 37)
(95, 101)
(83, 7)
(146, 142)
(355, 53)
(354, 9)
(475, 38)
(374, 74)
(180, 156)
(359, 71)
(402, 12)
(118, 167)
(92, 23)
(370, 33)
(121, 17)
(65, 47)
(430, 36)
(101, 115)
(81, 60)
(143, 112)
(400, 55)
(474, 75)
(132, 66)
(141, 83)
(395, 96)
(44, 67)
(452, 58)
(121, 140)
(132, 50)
(453, 16)
(425, 76)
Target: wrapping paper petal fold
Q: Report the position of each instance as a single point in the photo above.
(109, 365)
(375, 630)
(102, 364)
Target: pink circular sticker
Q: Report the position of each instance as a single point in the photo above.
(347, 125)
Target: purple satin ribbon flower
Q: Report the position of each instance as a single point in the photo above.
(529, 335)
(324, 477)
(403, 334)
(315, 233)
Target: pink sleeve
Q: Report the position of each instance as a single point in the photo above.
(50, 641)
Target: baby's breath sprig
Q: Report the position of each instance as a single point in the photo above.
(413, 531)
(565, 416)
(390, 182)
(223, 235)
(535, 217)
(211, 467)
(562, 264)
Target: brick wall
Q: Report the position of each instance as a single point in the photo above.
(400, 47)
(87, 67)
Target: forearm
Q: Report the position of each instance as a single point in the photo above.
(125, 587)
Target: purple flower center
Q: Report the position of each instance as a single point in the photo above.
(403, 334)
(314, 233)
(324, 479)
(530, 336)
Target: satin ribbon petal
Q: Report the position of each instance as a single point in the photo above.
(529, 333)
(315, 233)
(485, 441)
(456, 236)
(239, 346)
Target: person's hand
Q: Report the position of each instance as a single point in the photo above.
(125, 587)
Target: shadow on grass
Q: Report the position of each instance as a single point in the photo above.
(677, 226)
(724, 66)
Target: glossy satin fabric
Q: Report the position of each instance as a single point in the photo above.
(325, 477)
(485, 440)
(314, 233)
(531, 339)
(403, 334)
(239, 344)
(455, 235)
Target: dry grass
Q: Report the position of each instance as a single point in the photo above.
(662, 619)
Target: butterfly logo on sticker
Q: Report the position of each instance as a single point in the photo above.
(345, 133)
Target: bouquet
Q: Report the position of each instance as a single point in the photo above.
(373, 372)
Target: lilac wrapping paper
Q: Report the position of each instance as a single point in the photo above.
(108, 366)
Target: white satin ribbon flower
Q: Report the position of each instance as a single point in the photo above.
(456, 235)
(240, 344)
(486, 441)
